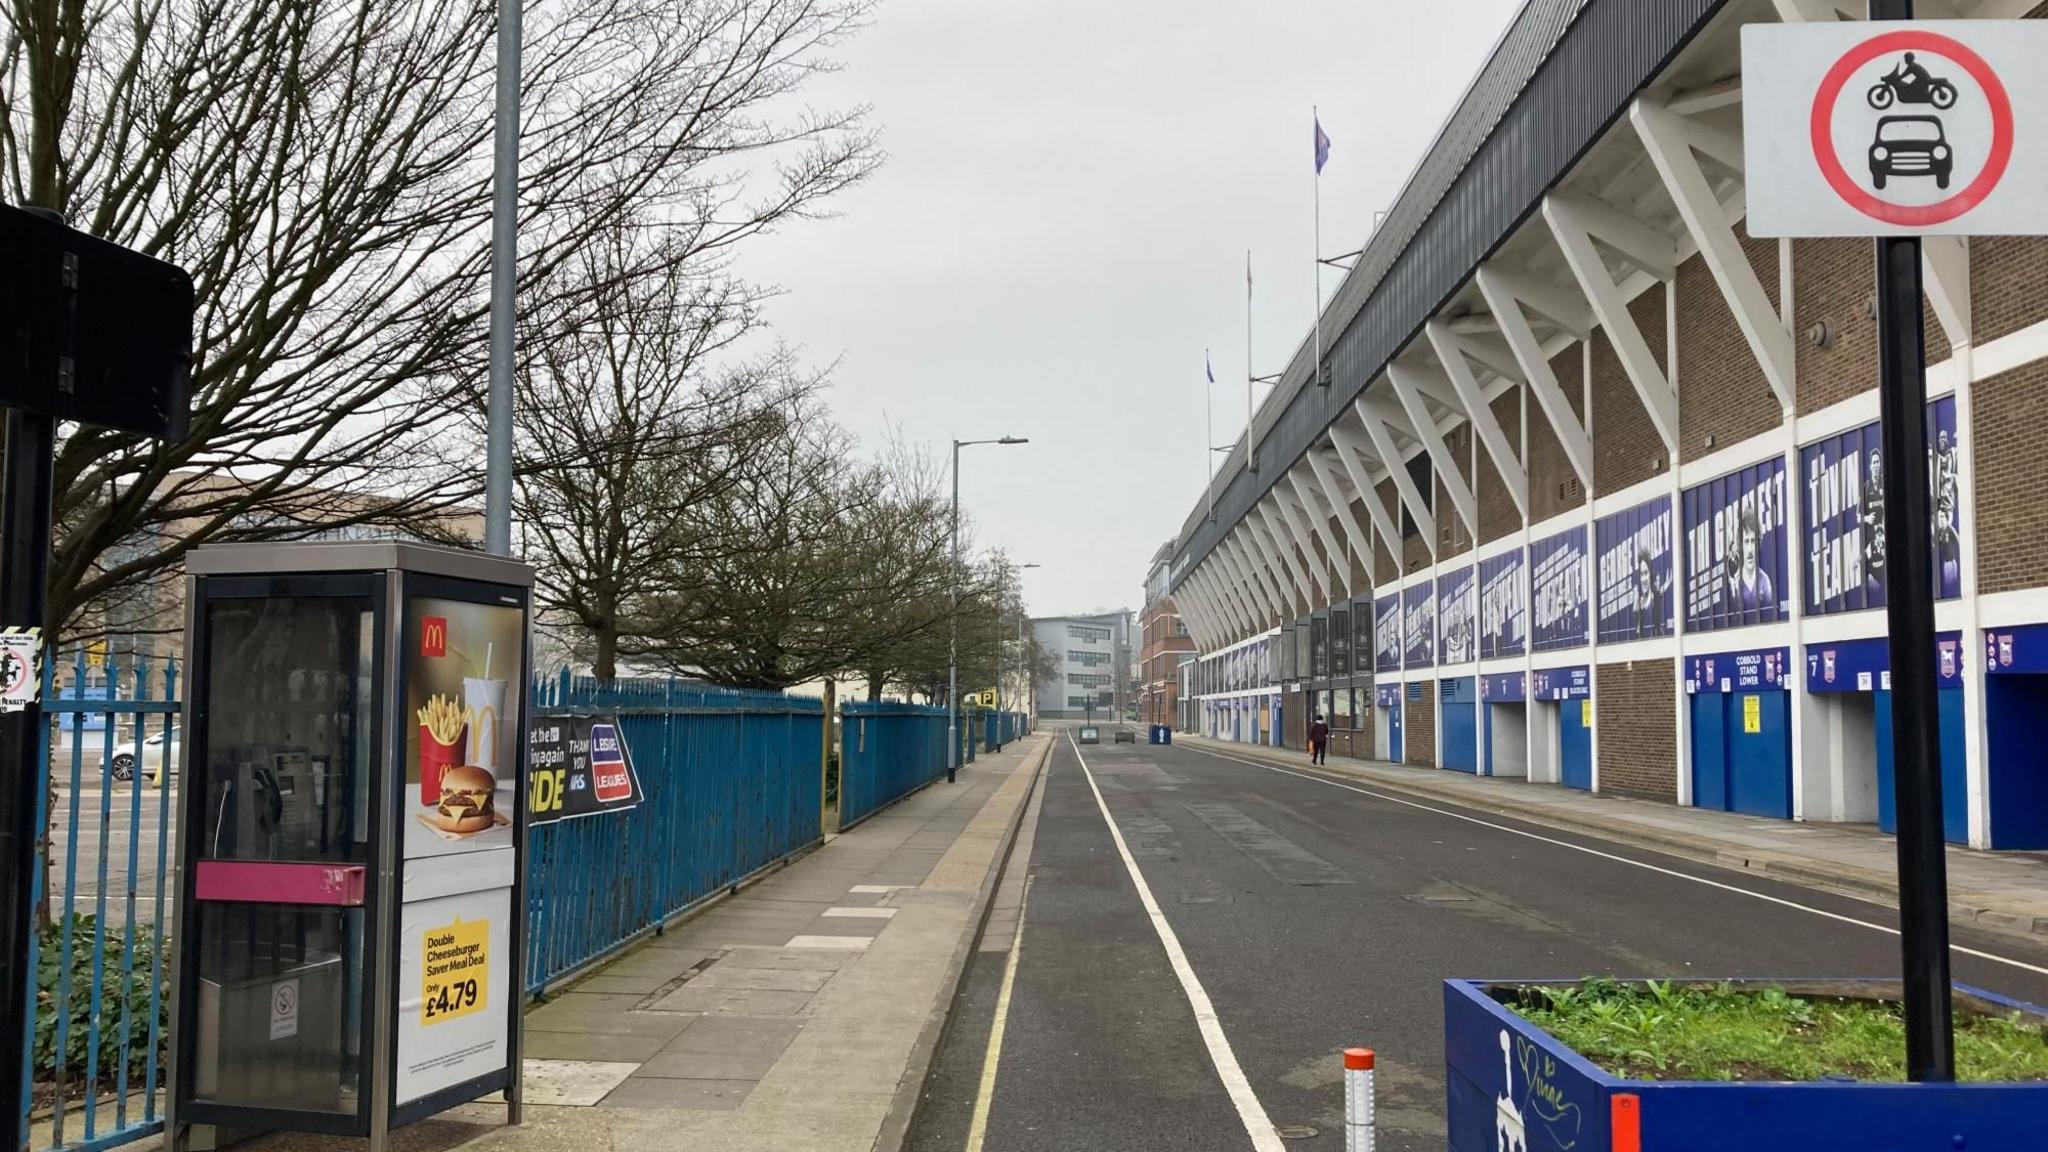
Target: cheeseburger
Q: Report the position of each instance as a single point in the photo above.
(466, 795)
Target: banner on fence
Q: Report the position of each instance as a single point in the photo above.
(579, 766)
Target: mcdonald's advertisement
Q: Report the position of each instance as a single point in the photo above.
(462, 718)
(579, 766)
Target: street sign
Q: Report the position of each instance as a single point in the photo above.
(1887, 128)
(21, 660)
(96, 333)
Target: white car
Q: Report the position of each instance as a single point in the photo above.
(152, 755)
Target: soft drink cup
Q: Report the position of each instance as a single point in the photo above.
(485, 700)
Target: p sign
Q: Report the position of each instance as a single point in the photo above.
(1896, 128)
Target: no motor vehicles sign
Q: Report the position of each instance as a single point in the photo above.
(1896, 128)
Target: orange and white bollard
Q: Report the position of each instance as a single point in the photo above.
(1358, 1102)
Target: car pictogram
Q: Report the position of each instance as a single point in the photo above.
(1910, 146)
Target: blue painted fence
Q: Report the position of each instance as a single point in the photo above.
(96, 1003)
(733, 785)
(887, 751)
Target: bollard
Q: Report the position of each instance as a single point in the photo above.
(1358, 1102)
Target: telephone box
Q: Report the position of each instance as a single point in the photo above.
(351, 835)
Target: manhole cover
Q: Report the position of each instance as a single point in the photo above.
(1297, 1132)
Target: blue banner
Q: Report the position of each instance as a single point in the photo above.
(1735, 549)
(1842, 479)
(2023, 649)
(1737, 671)
(1634, 548)
(1572, 683)
(1557, 580)
(1418, 624)
(1503, 606)
(1504, 688)
(1386, 631)
(1865, 665)
(1387, 695)
(1458, 641)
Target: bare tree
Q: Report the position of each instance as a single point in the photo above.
(630, 422)
(321, 167)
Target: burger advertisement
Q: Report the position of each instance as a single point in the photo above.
(462, 718)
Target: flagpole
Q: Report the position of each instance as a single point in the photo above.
(1209, 439)
(1249, 461)
(1316, 115)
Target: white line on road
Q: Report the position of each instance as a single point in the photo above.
(1256, 1124)
(1769, 899)
(977, 1130)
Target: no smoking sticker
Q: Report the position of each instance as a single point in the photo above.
(1861, 129)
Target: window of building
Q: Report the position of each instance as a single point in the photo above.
(1425, 483)
(1087, 633)
(1088, 679)
(1180, 627)
(1087, 659)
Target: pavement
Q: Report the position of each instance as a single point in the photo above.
(2001, 892)
(1311, 913)
(798, 1015)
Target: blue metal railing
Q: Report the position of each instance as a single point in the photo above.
(887, 751)
(97, 998)
(733, 785)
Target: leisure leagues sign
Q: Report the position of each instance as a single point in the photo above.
(579, 766)
(1896, 128)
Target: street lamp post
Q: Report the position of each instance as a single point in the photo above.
(999, 656)
(953, 617)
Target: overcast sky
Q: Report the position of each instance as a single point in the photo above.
(1060, 230)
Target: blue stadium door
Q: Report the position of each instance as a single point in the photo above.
(1460, 733)
(1955, 797)
(1575, 744)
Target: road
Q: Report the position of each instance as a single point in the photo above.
(1315, 916)
(147, 826)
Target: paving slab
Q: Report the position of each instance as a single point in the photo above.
(680, 1095)
(737, 1036)
(732, 1001)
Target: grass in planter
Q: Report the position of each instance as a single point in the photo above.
(1662, 1031)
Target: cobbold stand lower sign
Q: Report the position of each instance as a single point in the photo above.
(1896, 128)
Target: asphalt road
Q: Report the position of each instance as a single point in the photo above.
(1317, 917)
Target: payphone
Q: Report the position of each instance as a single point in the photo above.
(351, 834)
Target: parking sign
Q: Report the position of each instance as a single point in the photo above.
(1896, 129)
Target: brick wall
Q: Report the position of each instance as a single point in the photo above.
(1498, 515)
(1832, 284)
(1373, 566)
(1552, 481)
(1386, 569)
(1721, 388)
(2012, 486)
(1418, 726)
(2008, 284)
(1452, 537)
(1636, 729)
(1626, 447)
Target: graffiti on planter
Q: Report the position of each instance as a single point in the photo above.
(1543, 1101)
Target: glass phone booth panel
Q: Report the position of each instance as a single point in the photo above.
(282, 769)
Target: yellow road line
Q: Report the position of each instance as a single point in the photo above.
(977, 1131)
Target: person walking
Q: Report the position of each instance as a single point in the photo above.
(1318, 740)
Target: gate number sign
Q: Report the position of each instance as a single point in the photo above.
(1896, 129)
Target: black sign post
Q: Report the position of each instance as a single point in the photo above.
(93, 332)
(1909, 611)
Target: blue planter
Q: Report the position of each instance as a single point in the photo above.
(1511, 1087)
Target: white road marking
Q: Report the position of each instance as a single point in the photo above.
(875, 889)
(839, 943)
(1256, 1124)
(862, 913)
(1769, 899)
(977, 1129)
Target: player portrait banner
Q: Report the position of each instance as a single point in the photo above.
(579, 766)
(1386, 633)
(1557, 591)
(1735, 549)
(1633, 550)
(1457, 639)
(1503, 606)
(1418, 624)
(1842, 492)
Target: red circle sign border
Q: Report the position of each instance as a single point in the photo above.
(1822, 130)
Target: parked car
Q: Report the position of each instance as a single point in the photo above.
(154, 751)
(1910, 146)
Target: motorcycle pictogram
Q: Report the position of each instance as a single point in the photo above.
(1909, 83)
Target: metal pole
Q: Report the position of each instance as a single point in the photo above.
(953, 640)
(1317, 366)
(24, 592)
(1209, 432)
(1909, 612)
(504, 282)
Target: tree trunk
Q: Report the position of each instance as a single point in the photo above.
(606, 665)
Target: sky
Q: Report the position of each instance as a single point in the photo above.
(1060, 230)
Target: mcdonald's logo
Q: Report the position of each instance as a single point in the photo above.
(433, 635)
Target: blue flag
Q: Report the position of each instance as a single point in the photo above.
(1322, 146)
